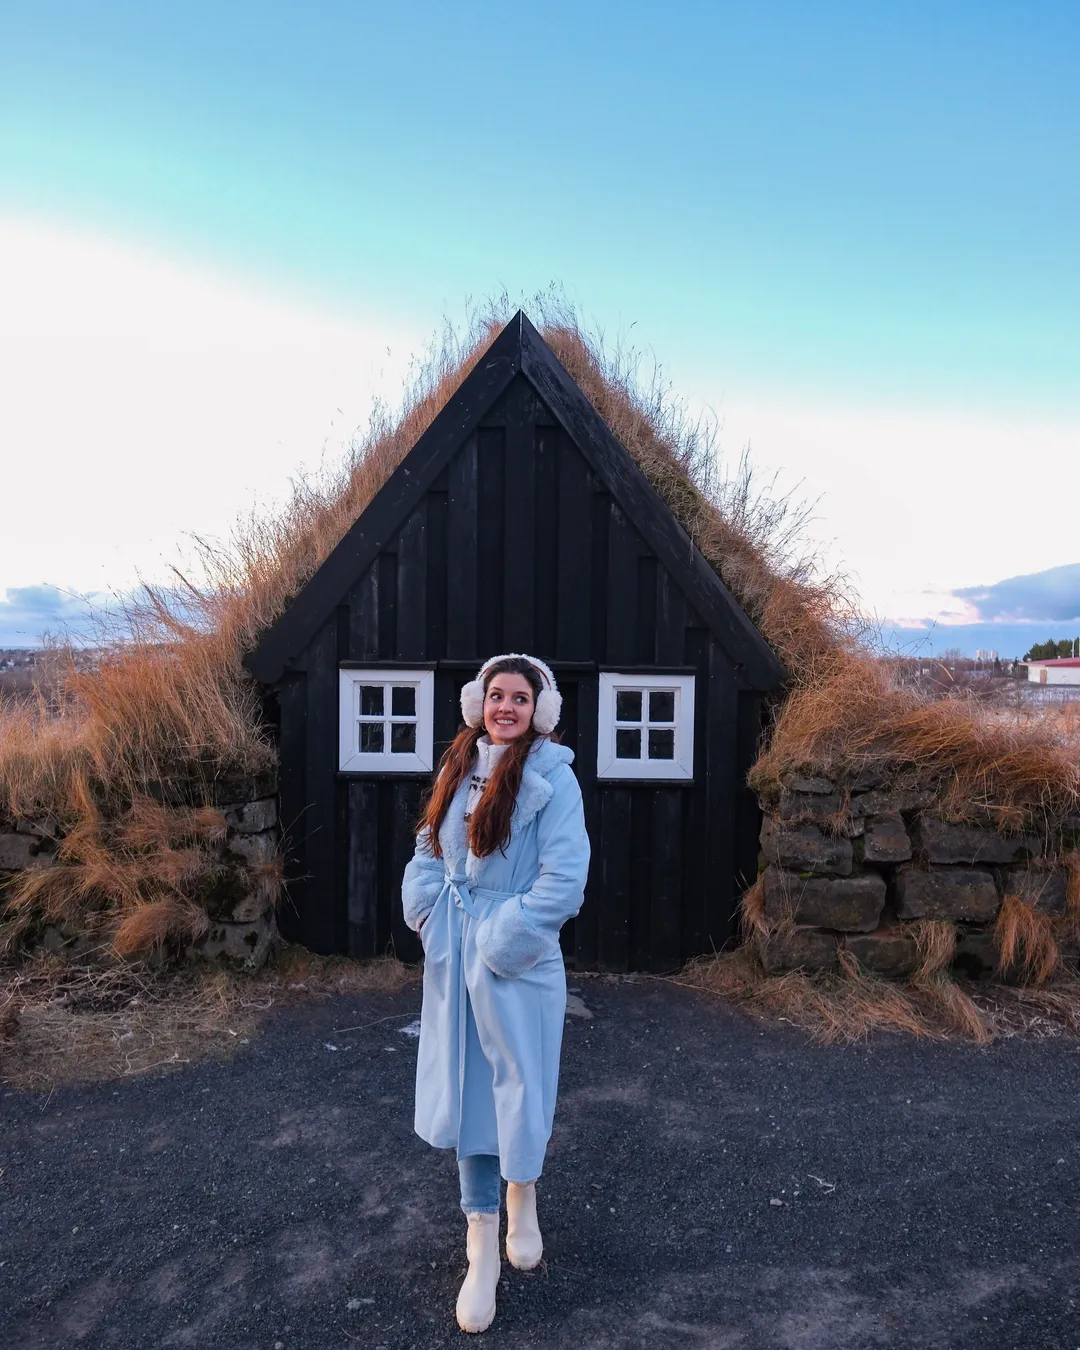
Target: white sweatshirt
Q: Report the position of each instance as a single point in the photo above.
(487, 756)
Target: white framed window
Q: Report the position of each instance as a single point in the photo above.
(646, 726)
(385, 721)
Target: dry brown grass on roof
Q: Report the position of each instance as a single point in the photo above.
(845, 708)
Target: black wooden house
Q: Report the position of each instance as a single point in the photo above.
(519, 523)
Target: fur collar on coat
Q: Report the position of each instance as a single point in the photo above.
(533, 795)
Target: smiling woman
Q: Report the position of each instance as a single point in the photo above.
(500, 865)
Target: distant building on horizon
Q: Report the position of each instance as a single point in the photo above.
(1062, 670)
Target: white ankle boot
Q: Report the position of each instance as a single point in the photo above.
(476, 1301)
(524, 1245)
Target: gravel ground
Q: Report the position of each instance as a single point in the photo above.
(709, 1184)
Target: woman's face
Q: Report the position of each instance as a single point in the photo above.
(508, 708)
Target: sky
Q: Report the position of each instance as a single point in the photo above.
(848, 231)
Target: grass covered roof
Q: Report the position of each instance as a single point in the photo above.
(171, 702)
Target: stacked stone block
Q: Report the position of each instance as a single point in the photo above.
(243, 925)
(851, 870)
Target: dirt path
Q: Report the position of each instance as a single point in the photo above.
(927, 1194)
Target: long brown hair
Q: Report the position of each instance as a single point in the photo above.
(489, 825)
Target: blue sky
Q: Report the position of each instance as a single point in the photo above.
(854, 221)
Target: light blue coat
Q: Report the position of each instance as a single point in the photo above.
(494, 983)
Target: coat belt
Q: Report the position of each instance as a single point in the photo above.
(464, 894)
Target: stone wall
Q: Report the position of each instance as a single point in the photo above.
(238, 889)
(242, 913)
(855, 868)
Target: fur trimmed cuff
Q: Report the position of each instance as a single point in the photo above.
(418, 900)
(508, 943)
(419, 919)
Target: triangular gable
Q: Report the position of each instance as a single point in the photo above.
(647, 510)
(518, 348)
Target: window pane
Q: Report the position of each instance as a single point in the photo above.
(628, 745)
(371, 700)
(662, 706)
(661, 745)
(371, 738)
(403, 737)
(628, 708)
(403, 700)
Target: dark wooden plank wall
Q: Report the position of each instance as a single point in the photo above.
(324, 918)
(517, 546)
(292, 799)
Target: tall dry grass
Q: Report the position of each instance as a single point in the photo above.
(169, 708)
(935, 942)
(1027, 941)
(857, 716)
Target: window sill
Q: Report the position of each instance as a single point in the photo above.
(377, 775)
(646, 782)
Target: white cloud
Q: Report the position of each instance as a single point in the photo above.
(920, 504)
(142, 399)
(28, 613)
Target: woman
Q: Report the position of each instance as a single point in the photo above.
(500, 865)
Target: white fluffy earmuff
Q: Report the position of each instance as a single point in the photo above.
(548, 705)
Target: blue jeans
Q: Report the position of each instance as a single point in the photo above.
(480, 1183)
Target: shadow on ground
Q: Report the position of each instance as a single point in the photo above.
(709, 1184)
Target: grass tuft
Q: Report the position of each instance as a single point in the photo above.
(935, 941)
(832, 1009)
(752, 918)
(151, 924)
(840, 1009)
(1027, 941)
(854, 715)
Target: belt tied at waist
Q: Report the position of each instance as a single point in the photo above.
(464, 894)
